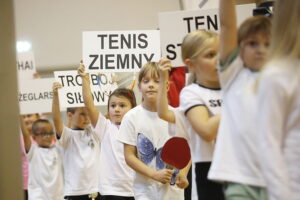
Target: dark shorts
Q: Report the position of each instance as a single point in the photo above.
(206, 189)
(112, 197)
(82, 197)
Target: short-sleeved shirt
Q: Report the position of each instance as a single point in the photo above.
(235, 157)
(146, 131)
(116, 177)
(46, 173)
(81, 161)
(196, 95)
(279, 128)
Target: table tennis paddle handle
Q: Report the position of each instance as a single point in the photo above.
(173, 178)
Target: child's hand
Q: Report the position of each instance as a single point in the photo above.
(81, 70)
(56, 86)
(164, 66)
(163, 176)
(182, 181)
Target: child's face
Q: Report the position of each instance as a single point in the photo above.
(79, 119)
(254, 50)
(149, 88)
(29, 119)
(118, 107)
(44, 135)
(205, 65)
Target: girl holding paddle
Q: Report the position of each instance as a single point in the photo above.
(200, 105)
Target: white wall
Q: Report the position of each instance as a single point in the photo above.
(54, 26)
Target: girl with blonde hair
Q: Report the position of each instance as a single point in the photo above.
(200, 105)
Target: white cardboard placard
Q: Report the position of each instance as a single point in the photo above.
(70, 95)
(175, 25)
(35, 96)
(119, 51)
(26, 65)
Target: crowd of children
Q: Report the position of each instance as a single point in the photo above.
(240, 116)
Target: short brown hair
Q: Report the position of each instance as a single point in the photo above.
(253, 25)
(71, 109)
(124, 92)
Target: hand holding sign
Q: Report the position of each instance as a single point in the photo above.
(56, 86)
(176, 153)
(81, 70)
(165, 67)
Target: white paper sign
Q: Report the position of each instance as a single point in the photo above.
(26, 65)
(35, 96)
(119, 51)
(175, 25)
(204, 4)
(70, 95)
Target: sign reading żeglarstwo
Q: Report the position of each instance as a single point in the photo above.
(119, 51)
(26, 65)
(70, 95)
(175, 25)
(35, 96)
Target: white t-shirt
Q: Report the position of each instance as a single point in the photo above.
(81, 161)
(196, 95)
(45, 173)
(146, 131)
(116, 177)
(279, 128)
(235, 157)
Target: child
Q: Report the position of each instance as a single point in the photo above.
(278, 104)
(28, 121)
(143, 135)
(242, 54)
(45, 163)
(200, 105)
(81, 151)
(116, 177)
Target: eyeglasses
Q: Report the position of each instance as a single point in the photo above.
(45, 134)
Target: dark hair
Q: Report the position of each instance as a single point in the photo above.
(36, 125)
(71, 110)
(123, 92)
(253, 25)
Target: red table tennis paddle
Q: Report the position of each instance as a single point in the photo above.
(176, 154)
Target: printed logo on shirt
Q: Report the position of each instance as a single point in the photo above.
(215, 102)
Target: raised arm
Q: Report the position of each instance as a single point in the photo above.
(87, 95)
(130, 153)
(204, 125)
(162, 99)
(228, 36)
(58, 122)
(26, 135)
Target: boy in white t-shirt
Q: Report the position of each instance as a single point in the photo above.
(115, 176)
(81, 151)
(144, 134)
(242, 55)
(45, 162)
